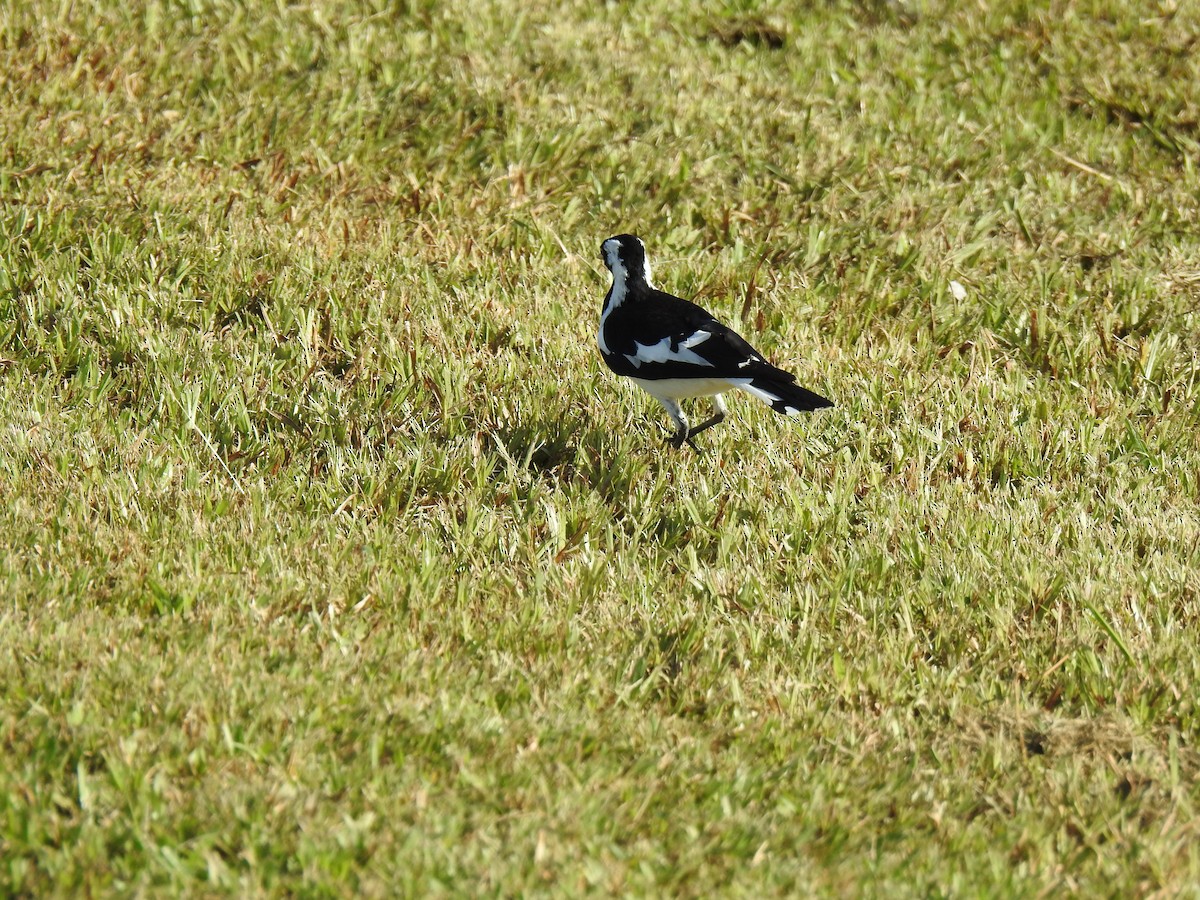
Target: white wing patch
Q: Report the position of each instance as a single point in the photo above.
(661, 352)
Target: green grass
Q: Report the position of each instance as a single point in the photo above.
(335, 561)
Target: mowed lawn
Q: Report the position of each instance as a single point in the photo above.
(335, 562)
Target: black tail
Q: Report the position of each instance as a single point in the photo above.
(786, 397)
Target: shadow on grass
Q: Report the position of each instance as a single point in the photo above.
(548, 446)
(571, 449)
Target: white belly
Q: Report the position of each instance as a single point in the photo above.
(681, 388)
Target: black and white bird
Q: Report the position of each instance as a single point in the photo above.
(673, 349)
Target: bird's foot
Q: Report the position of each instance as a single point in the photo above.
(681, 437)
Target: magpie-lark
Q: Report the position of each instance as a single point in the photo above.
(673, 349)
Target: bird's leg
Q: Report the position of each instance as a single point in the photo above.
(676, 440)
(682, 432)
(717, 418)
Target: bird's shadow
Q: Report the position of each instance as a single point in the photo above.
(568, 449)
(546, 446)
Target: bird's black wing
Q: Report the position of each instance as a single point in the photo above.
(662, 336)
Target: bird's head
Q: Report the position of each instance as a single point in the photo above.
(625, 256)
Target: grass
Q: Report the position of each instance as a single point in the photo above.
(337, 563)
